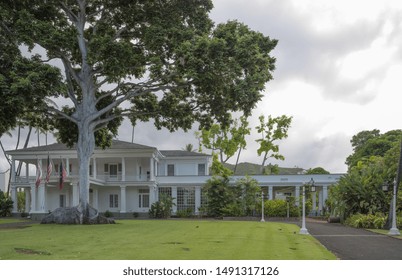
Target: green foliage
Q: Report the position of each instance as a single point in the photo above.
(226, 140)
(218, 195)
(246, 192)
(278, 208)
(372, 143)
(225, 200)
(373, 221)
(162, 208)
(272, 130)
(185, 213)
(108, 214)
(317, 170)
(360, 190)
(21, 201)
(6, 205)
(218, 168)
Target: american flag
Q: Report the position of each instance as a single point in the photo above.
(49, 169)
(63, 175)
(38, 174)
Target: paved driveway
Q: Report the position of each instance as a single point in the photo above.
(355, 244)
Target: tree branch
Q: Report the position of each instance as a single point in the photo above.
(64, 115)
(70, 87)
(73, 17)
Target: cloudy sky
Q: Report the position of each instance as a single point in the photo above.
(338, 67)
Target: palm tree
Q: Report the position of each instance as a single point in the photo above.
(189, 148)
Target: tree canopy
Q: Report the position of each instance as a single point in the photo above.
(272, 130)
(374, 162)
(163, 61)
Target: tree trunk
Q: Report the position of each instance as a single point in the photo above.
(237, 161)
(263, 163)
(85, 149)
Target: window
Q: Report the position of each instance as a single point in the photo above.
(143, 198)
(62, 200)
(113, 170)
(113, 201)
(201, 169)
(170, 169)
(185, 198)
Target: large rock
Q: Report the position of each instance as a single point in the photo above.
(74, 215)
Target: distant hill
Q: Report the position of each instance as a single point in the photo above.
(248, 168)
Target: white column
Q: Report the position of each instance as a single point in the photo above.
(324, 194)
(94, 173)
(152, 194)
(197, 199)
(297, 195)
(27, 200)
(68, 166)
(42, 198)
(123, 199)
(320, 202)
(270, 192)
(174, 196)
(75, 194)
(123, 169)
(33, 198)
(95, 199)
(151, 169)
(27, 171)
(13, 171)
(14, 198)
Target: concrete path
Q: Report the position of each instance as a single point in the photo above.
(355, 244)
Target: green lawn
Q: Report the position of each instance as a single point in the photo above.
(385, 232)
(10, 220)
(161, 239)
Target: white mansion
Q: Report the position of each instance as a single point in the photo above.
(127, 178)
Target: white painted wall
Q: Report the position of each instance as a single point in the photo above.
(4, 177)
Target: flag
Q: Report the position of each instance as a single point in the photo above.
(63, 175)
(49, 169)
(38, 174)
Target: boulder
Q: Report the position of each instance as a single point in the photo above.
(74, 215)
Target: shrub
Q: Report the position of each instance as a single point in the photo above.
(161, 209)
(278, 208)
(6, 205)
(376, 221)
(185, 213)
(108, 214)
(219, 196)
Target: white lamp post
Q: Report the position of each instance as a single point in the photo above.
(262, 207)
(394, 230)
(303, 229)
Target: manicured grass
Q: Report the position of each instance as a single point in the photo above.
(385, 232)
(161, 239)
(10, 220)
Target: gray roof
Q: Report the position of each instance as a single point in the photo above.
(116, 144)
(181, 153)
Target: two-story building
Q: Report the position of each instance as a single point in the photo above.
(127, 178)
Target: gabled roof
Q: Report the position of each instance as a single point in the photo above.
(116, 145)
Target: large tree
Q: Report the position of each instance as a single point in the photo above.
(150, 60)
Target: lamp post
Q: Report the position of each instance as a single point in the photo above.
(394, 230)
(303, 229)
(262, 207)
